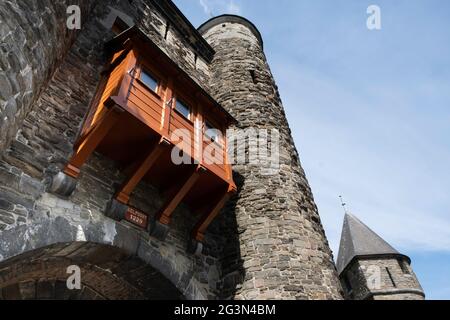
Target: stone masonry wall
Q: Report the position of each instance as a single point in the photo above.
(280, 240)
(155, 25)
(42, 147)
(169, 39)
(33, 41)
(362, 276)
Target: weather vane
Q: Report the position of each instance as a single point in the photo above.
(344, 205)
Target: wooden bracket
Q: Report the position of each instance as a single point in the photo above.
(202, 225)
(91, 142)
(177, 195)
(123, 195)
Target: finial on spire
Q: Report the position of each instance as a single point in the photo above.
(344, 205)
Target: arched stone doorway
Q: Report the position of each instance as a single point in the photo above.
(53, 220)
(107, 273)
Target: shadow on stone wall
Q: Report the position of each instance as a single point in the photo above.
(233, 271)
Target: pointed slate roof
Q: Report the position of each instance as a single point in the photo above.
(358, 240)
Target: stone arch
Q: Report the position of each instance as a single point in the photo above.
(107, 273)
(55, 221)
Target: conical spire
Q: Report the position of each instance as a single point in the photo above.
(357, 239)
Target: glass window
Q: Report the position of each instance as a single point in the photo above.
(183, 108)
(149, 80)
(211, 132)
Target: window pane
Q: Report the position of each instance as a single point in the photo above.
(182, 108)
(211, 132)
(149, 80)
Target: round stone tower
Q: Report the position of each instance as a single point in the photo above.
(282, 246)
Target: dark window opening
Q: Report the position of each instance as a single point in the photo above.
(150, 81)
(195, 61)
(404, 266)
(183, 109)
(253, 75)
(390, 277)
(119, 26)
(347, 284)
(166, 33)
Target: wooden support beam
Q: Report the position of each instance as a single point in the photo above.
(177, 195)
(202, 225)
(91, 142)
(123, 195)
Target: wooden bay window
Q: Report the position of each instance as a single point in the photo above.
(143, 100)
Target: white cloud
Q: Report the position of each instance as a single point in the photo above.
(206, 7)
(233, 8)
(391, 172)
(217, 7)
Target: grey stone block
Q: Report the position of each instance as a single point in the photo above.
(30, 186)
(126, 238)
(5, 87)
(7, 217)
(62, 185)
(5, 205)
(158, 230)
(195, 247)
(116, 210)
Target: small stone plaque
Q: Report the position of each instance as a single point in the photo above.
(136, 217)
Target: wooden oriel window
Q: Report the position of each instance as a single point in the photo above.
(144, 98)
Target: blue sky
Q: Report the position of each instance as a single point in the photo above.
(370, 113)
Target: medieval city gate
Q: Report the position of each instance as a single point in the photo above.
(268, 243)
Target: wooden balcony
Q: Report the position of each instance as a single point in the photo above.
(135, 120)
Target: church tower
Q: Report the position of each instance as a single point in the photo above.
(371, 269)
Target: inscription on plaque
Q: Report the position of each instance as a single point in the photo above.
(136, 217)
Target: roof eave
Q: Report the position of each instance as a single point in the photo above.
(372, 257)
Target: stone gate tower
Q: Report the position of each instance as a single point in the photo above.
(268, 243)
(282, 243)
(371, 269)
